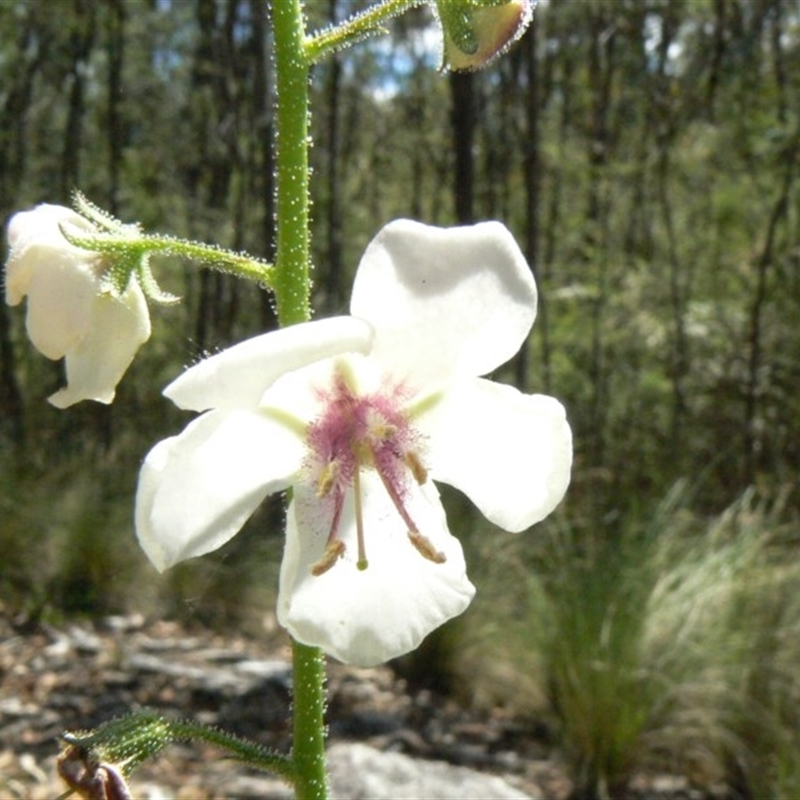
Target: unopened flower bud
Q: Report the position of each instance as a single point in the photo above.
(89, 779)
(478, 31)
(95, 764)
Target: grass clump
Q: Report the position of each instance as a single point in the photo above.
(669, 646)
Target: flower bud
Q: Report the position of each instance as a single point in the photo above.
(95, 764)
(478, 31)
(89, 779)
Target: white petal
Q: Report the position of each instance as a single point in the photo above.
(369, 616)
(117, 328)
(511, 453)
(60, 298)
(444, 302)
(42, 225)
(300, 394)
(238, 376)
(197, 489)
(36, 242)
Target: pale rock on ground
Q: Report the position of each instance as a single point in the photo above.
(360, 772)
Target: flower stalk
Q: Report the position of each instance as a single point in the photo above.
(308, 750)
(132, 248)
(97, 763)
(292, 294)
(366, 23)
(235, 263)
(291, 282)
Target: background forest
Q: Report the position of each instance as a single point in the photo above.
(645, 153)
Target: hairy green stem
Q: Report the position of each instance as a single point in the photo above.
(292, 290)
(308, 750)
(252, 754)
(351, 30)
(239, 264)
(141, 245)
(291, 280)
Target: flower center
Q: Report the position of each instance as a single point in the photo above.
(364, 431)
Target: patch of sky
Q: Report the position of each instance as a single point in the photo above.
(654, 33)
(395, 58)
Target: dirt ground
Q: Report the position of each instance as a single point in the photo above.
(79, 675)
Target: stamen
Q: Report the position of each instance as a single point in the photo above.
(362, 562)
(416, 466)
(333, 552)
(335, 547)
(328, 478)
(426, 548)
(391, 490)
(422, 543)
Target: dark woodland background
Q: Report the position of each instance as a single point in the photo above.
(645, 153)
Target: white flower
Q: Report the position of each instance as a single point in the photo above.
(359, 415)
(72, 312)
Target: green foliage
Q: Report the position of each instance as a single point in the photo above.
(644, 152)
(68, 543)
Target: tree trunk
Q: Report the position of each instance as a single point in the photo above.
(462, 118)
(335, 291)
(81, 42)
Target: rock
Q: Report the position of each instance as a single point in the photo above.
(360, 772)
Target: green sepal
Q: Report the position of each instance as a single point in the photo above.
(150, 286)
(126, 258)
(456, 19)
(124, 742)
(118, 275)
(98, 216)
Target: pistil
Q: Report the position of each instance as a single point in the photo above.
(362, 562)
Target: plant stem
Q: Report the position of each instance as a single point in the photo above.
(249, 753)
(355, 28)
(291, 281)
(239, 264)
(308, 752)
(292, 289)
(136, 247)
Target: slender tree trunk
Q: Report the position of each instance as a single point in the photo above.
(334, 268)
(779, 61)
(214, 77)
(755, 364)
(81, 43)
(600, 72)
(116, 128)
(663, 123)
(532, 171)
(717, 55)
(32, 46)
(263, 135)
(462, 117)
